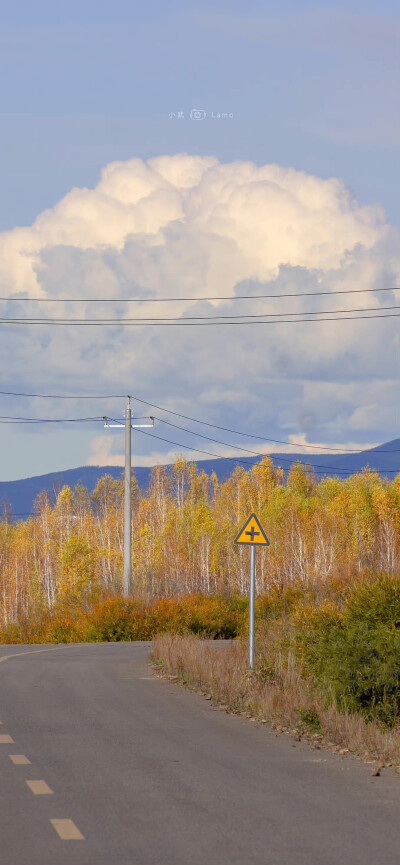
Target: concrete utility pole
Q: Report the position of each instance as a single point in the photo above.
(127, 580)
(128, 501)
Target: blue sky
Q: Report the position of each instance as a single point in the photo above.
(312, 87)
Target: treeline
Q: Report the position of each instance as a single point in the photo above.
(69, 554)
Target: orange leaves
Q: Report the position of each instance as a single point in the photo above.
(76, 584)
(114, 619)
(183, 530)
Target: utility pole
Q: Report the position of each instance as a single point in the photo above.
(128, 501)
(127, 579)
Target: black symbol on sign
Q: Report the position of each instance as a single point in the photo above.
(252, 533)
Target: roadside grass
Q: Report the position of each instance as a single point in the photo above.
(328, 655)
(286, 701)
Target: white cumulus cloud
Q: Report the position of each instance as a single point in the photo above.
(190, 227)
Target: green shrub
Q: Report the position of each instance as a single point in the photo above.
(310, 719)
(355, 657)
(360, 667)
(375, 602)
(278, 602)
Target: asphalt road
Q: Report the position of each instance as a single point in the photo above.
(146, 773)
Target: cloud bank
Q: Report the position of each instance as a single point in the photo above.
(188, 227)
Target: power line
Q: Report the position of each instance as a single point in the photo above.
(20, 420)
(12, 419)
(237, 447)
(11, 515)
(185, 417)
(248, 462)
(245, 434)
(217, 319)
(319, 470)
(195, 318)
(193, 299)
(248, 450)
(62, 396)
(221, 322)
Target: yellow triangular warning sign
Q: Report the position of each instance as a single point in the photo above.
(252, 533)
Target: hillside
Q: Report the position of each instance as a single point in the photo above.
(21, 494)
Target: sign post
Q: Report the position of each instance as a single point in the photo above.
(252, 534)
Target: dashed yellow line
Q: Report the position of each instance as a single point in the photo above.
(67, 830)
(5, 739)
(19, 759)
(39, 788)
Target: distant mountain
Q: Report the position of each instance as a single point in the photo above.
(21, 494)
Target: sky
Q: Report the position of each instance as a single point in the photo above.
(197, 150)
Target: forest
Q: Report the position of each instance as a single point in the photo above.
(68, 554)
(328, 587)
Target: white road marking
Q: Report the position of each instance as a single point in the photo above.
(39, 788)
(19, 759)
(5, 739)
(138, 679)
(67, 830)
(38, 651)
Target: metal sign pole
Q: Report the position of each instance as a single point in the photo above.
(252, 605)
(252, 534)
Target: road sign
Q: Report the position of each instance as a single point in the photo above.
(252, 533)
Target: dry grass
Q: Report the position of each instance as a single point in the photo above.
(289, 704)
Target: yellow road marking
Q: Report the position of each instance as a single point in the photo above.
(67, 830)
(40, 788)
(5, 739)
(19, 759)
